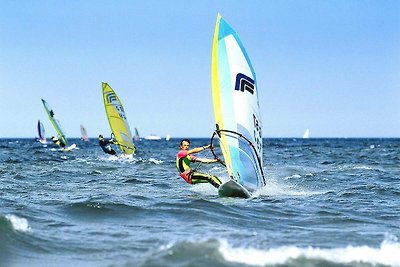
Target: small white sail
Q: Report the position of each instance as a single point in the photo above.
(306, 134)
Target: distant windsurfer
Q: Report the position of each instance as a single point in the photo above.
(106, 145)
(185, 157)
(58, 142)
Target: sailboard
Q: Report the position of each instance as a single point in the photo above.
(55, 122)
(236, 113)
(117, 119)
(84, 133)
(41, 132)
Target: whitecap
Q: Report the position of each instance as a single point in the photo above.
(294, 176)
(19, 224)
(387, 254)
(363, 168)
(155, 161)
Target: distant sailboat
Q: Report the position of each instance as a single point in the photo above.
(57, 126)
(306, 134)
(168, 137)
(84, 134)
(41, 133)
(153, 137)
(137, 136)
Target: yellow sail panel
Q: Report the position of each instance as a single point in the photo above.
(216, 95)
(117, 119)
(214, 77)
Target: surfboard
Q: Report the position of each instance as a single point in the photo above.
(117, 119)
(236, 113)
(71, 147)
(231, 188)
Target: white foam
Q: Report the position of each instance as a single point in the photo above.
(19, 224)
(155, 161)
(204, 188)
(387, 254)
(273, 188)
(363, 168)
(294, 176)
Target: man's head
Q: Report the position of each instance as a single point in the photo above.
(100, 136)
(185, 143)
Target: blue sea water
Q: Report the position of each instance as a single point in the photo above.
(328, 202)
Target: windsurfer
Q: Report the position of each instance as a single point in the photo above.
(58, 142)
(106, 145)
(185, 157)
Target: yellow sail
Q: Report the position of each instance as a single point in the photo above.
(117, 119)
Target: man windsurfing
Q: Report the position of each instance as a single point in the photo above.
(185, 157)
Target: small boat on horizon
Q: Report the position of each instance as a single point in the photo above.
(153, 137)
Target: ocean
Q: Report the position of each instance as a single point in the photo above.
(328, 202)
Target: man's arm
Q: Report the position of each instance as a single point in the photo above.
(198, 149)
(203, 160)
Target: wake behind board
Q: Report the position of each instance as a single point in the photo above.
(232, 188)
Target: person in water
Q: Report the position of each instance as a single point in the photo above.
(185, 157)
(106, 145)
(58, 142)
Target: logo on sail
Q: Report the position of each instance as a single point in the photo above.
(243, 83)
(111, 97)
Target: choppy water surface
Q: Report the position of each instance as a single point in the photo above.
(328, 202)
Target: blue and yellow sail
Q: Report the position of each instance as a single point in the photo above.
(117, 119)
(236, 107)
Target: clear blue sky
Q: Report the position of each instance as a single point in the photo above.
(331, 66)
